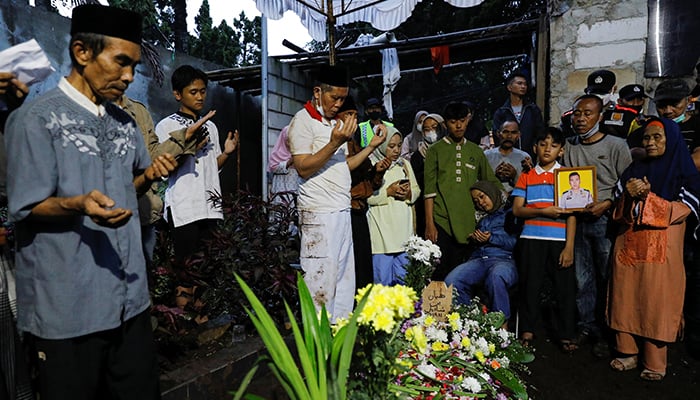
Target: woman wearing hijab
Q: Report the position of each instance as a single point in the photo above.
(647, 282)
(284, 175)
(432, 130)
(390, 215)
(491, 264)
(410, 142)
(365, 179)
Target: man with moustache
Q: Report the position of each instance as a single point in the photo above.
(611, 156)
(507, 161)
(76, 162)
(318, 143)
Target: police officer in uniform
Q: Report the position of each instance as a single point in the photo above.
(626, 115)
(373, 110)
(576, 197)
(600, 83)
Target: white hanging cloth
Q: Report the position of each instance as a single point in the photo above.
(385, 15)
(392, 73)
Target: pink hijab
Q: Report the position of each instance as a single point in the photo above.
(280, 153)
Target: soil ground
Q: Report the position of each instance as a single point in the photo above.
(555, 375)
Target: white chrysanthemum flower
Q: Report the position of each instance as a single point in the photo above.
(435, 334)
(471, 385)
(504, 361)
(428, 370)
(483, 345)
(503, 335)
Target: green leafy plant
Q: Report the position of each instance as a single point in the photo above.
(324, 357)
(253, 240)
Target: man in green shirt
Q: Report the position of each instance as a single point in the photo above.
(452, 166)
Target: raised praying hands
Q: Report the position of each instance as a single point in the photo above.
(231, 143)
(382, 165)
(344, 130)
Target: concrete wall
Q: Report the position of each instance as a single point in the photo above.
(595, 34)
(288, 90)
(20, 22)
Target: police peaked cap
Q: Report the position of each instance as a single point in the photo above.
(600, 82)
(108, 21)
(632, 91)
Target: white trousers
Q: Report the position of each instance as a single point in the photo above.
(327, 260)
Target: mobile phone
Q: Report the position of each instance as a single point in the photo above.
(403, 181)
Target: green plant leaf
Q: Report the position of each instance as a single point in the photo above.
(275, 344)
(244, 384)
(511, 381)
(306, 356)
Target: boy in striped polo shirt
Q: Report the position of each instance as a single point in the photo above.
(546, 243)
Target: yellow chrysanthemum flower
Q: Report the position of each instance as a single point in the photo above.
(384, 322)
(439, 346)
(480, 356)
(466, 343)
(492, 347)
(429, 320)
(418, 340)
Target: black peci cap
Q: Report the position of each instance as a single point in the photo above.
(108, 21)
(334, 75)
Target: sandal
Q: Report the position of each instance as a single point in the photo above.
(624, 363)
(653, 376)
(568, 346)
(526, 340)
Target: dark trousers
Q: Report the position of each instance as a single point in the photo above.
(362, 248)
(453, 254)
(116, 364)
(539, 259)
(188, 238)
(692, 292)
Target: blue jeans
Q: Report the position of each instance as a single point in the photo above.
(591, 257)
(389, 269)
(496, 274)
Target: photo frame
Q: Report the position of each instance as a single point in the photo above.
(574, 194)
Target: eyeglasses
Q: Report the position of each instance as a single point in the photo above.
(507, 132)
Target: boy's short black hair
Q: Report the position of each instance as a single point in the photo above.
(184, 75)
(456, 110)
(555, 133)
(574, 174)
(517, 74)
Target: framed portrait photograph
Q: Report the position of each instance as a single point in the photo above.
(574, 188)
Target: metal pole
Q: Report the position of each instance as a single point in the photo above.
(263, 107)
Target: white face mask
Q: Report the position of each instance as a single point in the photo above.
(430, 136)
(320, 109)
(608, 98)
(419, 126)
